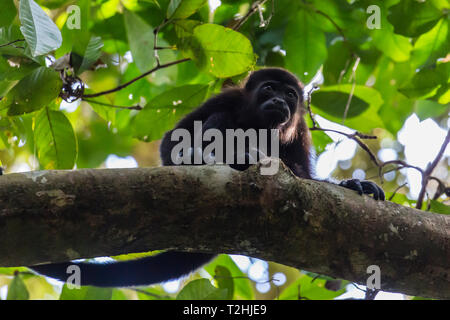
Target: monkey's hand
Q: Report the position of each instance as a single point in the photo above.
(364, 187)
(248, 158)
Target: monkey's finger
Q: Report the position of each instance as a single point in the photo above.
(353, 184)
(381, 192)
(370, 187)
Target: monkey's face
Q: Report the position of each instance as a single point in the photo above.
(276, 103)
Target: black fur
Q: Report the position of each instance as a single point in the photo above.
(271, 98)
(154, 269)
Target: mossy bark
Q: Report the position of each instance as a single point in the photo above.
(316, 226)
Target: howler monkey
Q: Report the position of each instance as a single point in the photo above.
(271, 98)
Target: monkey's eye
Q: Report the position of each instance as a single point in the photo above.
(291, 94)
(268, 88)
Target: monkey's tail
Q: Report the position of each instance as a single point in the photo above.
(162, 267)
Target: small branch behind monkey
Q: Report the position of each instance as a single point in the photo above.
(350, 96)
(255, 7)
(11, 43)
(136, 79)
(155, 41)
(135, 107)
(427, 173)
(356, 136)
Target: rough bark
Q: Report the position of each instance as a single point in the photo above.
(316, 226)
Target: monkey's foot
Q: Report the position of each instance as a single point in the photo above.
(364, 187)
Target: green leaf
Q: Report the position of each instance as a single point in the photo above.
(321, 140)
(96, 293)
(310, 288)
(90, 53)
(221, 51)
(431, 45)
(395, 111)
(412, 18)
(201, 289)
(17, 289)
(333, 100)
(224, 280)
(86, 293)
(439, 207)
(184, 30)
(181, 9)
(111, 28)
(76, 40)
(102, 108)
(8, 72)
(5, 86)
(41, 34)
(33, 92)
(424, 84)
(429, 109)
(8, 12)
(10, 271)
(363, 118)
(9, 34)
(140, 38)
(163, 111)
(243, 288)
(338, 60)
(55, 140)
(334, 103)
(305, 46)
(395, 46)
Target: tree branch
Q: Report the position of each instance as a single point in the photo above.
(426, 174)
(135, 79)
(135, 107)
(316, 226)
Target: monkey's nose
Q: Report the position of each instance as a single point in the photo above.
(278, 101)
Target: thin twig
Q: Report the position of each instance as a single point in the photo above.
(429, 170)
(343, 71)
(356, 136)
(308, 105)
(339, 30)
(265, 22)
(136, 107)
(440, 189)
(10, 43)
(350, 96)
(154, 295)
(155, 41)
(253, 9)
(136, 79)
(402, 164)
(166, 48)
(395, 191)
(433, 165)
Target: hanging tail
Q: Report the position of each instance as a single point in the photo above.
(162, 267)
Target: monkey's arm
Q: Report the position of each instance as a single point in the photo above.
(219, 112)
